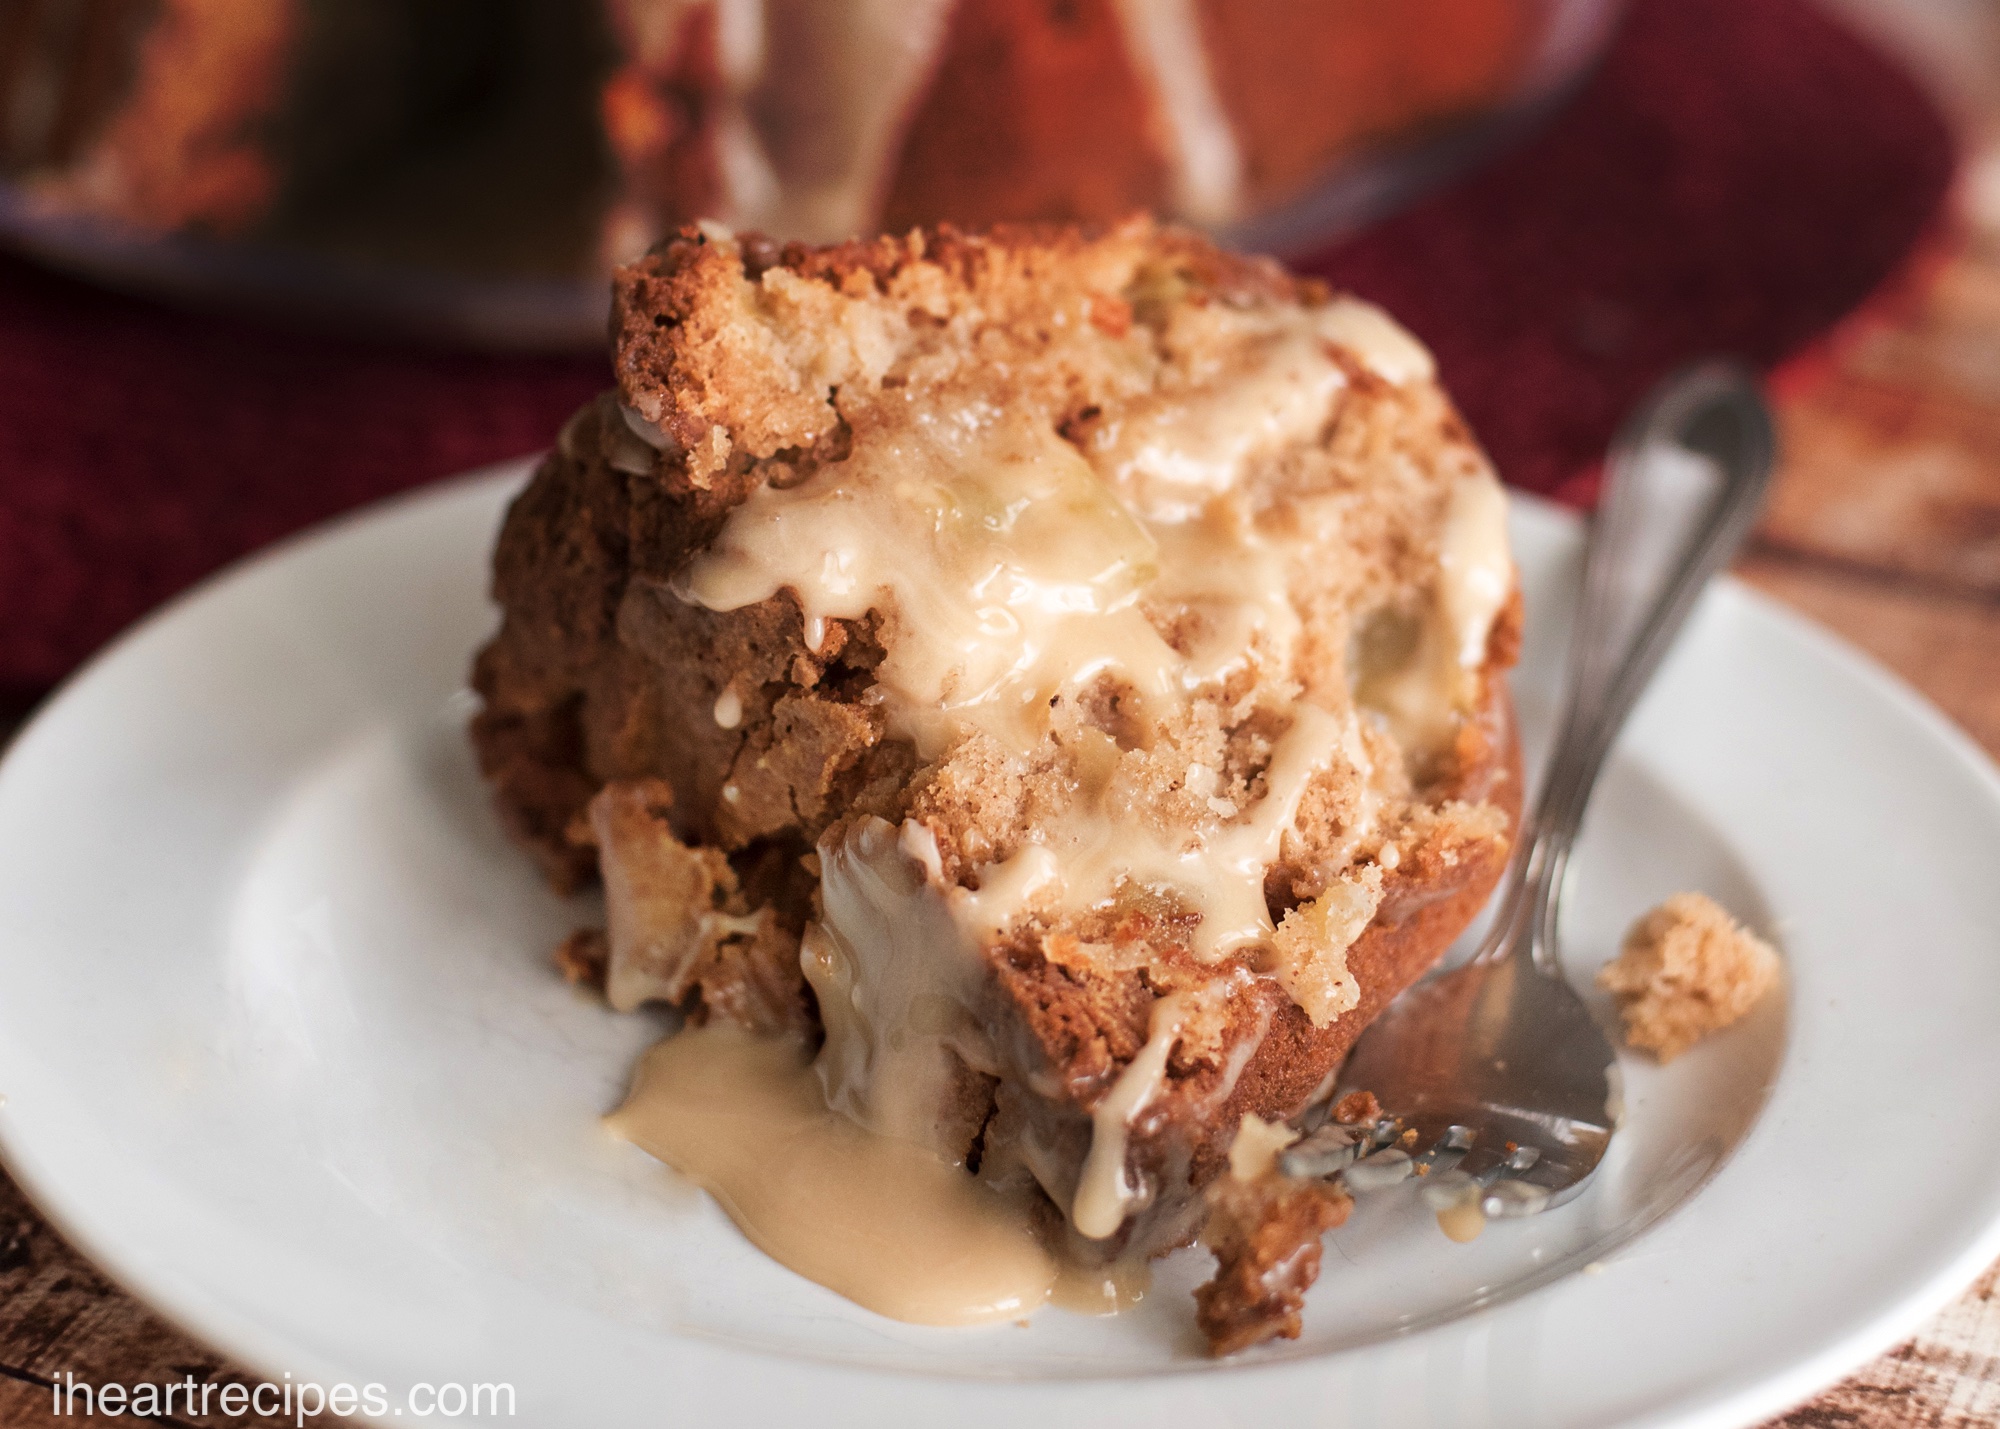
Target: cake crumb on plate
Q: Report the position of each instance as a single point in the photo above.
(1686, 970)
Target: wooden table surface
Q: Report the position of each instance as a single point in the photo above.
(1884, 526)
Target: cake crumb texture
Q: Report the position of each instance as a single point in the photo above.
(1265, 1235)
(1687, 970)
(1057, 674)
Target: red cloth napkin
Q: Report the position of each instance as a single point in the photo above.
(1738, 176)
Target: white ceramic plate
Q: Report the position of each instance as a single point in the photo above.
(281, 1049)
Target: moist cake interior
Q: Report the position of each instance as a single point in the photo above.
(1031, 698)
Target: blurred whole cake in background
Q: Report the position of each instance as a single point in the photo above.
(427, 130)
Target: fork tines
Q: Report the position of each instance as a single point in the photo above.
(1455, 1168)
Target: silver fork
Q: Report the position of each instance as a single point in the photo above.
(1498, 1082)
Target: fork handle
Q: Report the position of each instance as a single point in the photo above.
(1681, 490)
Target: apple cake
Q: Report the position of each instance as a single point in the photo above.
(1047, 683)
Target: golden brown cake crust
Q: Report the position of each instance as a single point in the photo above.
(686, 359)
